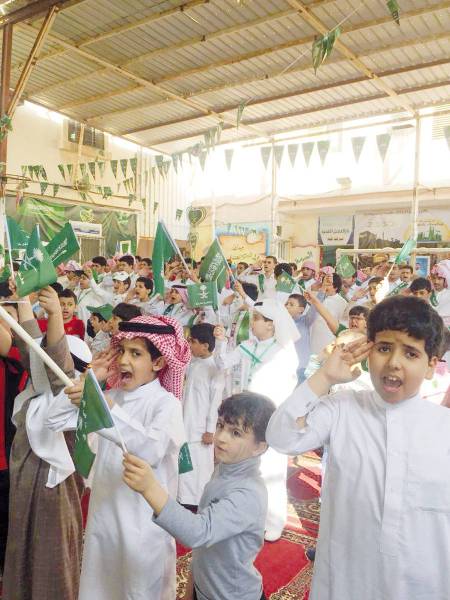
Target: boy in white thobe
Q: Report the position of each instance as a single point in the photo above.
(268, 365)
(385, 517)
(126, 556)
(202, 396)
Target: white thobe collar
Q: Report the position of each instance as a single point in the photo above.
(149, 389)
(405, 404)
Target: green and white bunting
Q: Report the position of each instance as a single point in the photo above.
(229, 157)
(43, 185)
(133, 165)
(278, 154)
(323, 146)
(265, 155)
(394, 9)
(202, 159)
(383, 141)
(307, 149)
(123, 166)
(91, 166)
(113, 164)
(292, 152)
(322, 47)
(358, 145)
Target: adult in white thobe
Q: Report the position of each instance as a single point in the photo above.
(385, 516)
(126, 556)
(202, 396)
(274, 376)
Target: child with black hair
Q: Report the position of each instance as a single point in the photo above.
(122, 312)
(141, 296)
(202, 395)
(125, 554)
(99, 320)
(421, 288)
(228, 531)
(126, 264)
(385, 513)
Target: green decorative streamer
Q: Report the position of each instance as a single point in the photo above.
(44, 186)
(394, 9)
(322, 47)
(43, 173)
(123, 166)
(91, 166)
(55, 189)
(37, 171)
(70, 170)
(61, 170)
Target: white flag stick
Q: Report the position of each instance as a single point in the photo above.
(8, 238)
(20, 331)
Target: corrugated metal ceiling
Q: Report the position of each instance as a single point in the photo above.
(162, 73)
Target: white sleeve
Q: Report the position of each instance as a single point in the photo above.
(224, 359)
(287, 436)
(150, 442)
(62, 415)
(215, 399)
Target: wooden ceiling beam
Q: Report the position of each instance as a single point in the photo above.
(312, 20)
(266, 77)
(30, 11)
(136, 78)
(300, 113)
(297, 93)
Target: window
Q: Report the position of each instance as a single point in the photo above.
(91, 137)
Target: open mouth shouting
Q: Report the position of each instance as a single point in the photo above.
(391, 383)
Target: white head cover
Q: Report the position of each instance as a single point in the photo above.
(285, 328)
(442, 269)
(50, 445)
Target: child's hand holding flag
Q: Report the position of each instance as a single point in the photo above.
(139, 476)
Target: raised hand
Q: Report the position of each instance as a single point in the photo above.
(75, 391)
(219, 332)
(102, 362)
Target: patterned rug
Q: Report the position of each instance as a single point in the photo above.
(285, 569)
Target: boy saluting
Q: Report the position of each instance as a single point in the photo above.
(385, 517)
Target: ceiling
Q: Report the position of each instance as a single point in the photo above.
(162, 73)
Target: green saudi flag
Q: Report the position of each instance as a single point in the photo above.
(203, 294)
(94, 414)
(214, 266)
(344, 267)
(184, 460)
(164, 248)
(285, 283)
(406, 250)
(401, 286)
(63, 245)
(36, 270)
(18, 238)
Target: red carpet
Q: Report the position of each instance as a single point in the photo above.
(285, 569)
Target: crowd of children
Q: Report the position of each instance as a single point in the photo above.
(215, 379)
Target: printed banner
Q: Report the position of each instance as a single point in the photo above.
(244, 242)
(336, 231)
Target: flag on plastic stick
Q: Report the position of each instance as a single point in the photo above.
(285, 283)
(94, 414)
(344, 267)
(36, 270)
(406, 250)
(203, 294)
(63, 246)
(164, 248)
(214, 266)
(401, 286)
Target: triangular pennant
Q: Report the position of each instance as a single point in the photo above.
(31, 171)
(69, 170)
(394, 10)
(44, 186)
(292, 151)
(202, 159)
(178, 214)
(123, 166)
(55, 189)
(358, 145)
(83, 169)
(113, 165)
(37, 171)
(323, 45)
(175, 158)
(107, 192)
(265, 155)
(91, 166)
(119, 185)
(24, 170)
(125, 185)
(278, 153)
(133, 165)
(61, 170)
(323, 146)
(153, 170)
(207, 139)
(240, 112)
(383, 140)
(101, 168)
(165, 167)
(42, 172)
(155, 207)
(307, 149)
(219, 129)
(159, 159)
(229, 157)
(83, 196)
